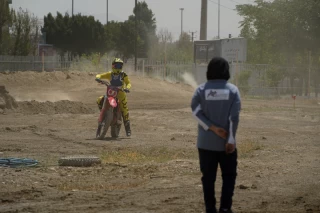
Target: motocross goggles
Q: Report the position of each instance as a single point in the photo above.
(117, 66)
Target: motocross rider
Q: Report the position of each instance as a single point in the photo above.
(117, 77)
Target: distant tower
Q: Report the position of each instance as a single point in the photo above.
(204, 17)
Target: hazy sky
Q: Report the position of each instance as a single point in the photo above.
(167, 13)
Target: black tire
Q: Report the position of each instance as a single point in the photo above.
(79, 161)
(107, 121)
(115, 130)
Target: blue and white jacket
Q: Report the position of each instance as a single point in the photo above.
(218, 103)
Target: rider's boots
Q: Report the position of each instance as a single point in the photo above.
(127, 127)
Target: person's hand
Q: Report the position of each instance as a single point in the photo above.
(230, 148)
(126, 90)
(219, 131)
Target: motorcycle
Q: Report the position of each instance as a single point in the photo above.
(110, 114)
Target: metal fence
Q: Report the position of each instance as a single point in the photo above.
(169, 71)
(272, 80)
(259, 80)
(49, 63)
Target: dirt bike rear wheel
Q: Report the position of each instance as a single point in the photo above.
(104, 128)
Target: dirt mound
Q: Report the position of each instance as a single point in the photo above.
(81, 86)
(43, 79)
(59, 107)
(6, 100)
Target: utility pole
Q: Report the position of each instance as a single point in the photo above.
(107, 14)
(72, 7)
(136, 36)
(192, 35)
(218, 19)
(181, 20)
(204, 18)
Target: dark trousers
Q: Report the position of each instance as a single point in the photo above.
(209, 161)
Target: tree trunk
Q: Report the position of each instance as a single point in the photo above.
(306, 88)
(300, 86)
(317, 82)
(1, 48)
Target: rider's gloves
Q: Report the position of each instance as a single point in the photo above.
(126, 90)
(98, 80)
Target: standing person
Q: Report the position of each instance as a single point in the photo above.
(216, 106)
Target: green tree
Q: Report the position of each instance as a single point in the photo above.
(161, 44)
(125, 41)
(87, 35)
(181, 50)
(146, 27)
(58, 31)
(112, 32)
(83, 35)
(5, 19)
(78, 35)
(274, 76)
(144, 15)
(25, 33)
(121, 36)
(278, 29)
(243, 80)
(282, 32)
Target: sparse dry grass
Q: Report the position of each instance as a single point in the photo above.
(91, 185)
(79, 179)
(311, 101)
(156, 155)
(247, 147)
(266, 108)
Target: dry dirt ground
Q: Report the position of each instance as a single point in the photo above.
(156, 170)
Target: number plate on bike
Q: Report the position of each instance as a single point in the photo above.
(112, 92)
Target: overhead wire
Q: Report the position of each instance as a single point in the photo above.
(222, 5)
(236, 2)
(226, 7)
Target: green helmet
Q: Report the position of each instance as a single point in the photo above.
(117, 65)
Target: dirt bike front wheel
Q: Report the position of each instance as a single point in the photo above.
(115, 130)
(104, 126)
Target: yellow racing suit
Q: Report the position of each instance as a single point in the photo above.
(118, 80)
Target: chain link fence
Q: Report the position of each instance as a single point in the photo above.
(274, 81)
(253, 80)
(51, 63)
(169, 71)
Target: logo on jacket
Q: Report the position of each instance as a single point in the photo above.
(217, 94)
(212, 93)
(115, 77)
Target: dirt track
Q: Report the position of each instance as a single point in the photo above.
(156, 170)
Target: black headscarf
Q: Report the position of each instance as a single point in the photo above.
(218, 68)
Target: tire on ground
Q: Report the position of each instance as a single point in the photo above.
(79, 161)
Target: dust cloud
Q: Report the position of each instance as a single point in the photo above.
(43, 96)
(189, 79)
